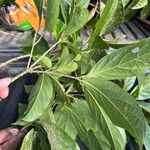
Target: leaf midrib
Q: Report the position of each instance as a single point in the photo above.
(42, 80)
(109, 69)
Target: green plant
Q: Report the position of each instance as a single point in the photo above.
(134, 6)
(82, 90)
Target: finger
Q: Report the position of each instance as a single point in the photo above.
(13, 143)
(4, 92)
(7, 134)
(5, 82)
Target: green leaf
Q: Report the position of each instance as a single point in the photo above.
(126, 62)
(68, 68)
(147, 139)
(144, 89)
(2, 2)
(28, 141)
(64, 121)
(87, 127)
(145, 106)
(44, 62)
(66, 63)
(98, 43)
(109, 20)
(146, 109)
(84, 63)
(41, 141)
(65, 9)
(140, 4)
(125, 2)
(59, 139)
(52, 13)
(120, 107)
(60, 90)
(145, 12)
(77, 21)
(116, 136)
(97, 141)
(83, 3)
(39, 5)
(129, 83)
(40, 99)
(59, 28)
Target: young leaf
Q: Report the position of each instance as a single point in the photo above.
(44, 62)
(120, 107)
(109, 20)
(140, 4)
(59, 140)
(52, 13)
(65, 9)
(40, 99)
(66, 63)
(77, 21)
(126, 62)
(28, 141)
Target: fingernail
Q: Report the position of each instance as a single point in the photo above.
(14, 131)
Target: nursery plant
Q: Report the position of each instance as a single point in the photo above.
(83, 91)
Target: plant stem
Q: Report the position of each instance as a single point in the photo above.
(33, 46)
(12, 60)
(45, 53)
(23, 73)
(56, 74)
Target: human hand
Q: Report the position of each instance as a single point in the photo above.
(4, 89)
(11, 138)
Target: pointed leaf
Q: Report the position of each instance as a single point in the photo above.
(77, 21)
(140, 4)
(52, 13)
(109, 20)
(87, 127)
(129, 83)
(59, 139)
(120, 107)
(28, 141)
(126, 62)
(40, 99)
(44, 62)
